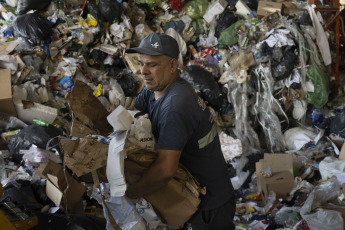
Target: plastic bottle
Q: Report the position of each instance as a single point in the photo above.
(193, 51)
(40, 122)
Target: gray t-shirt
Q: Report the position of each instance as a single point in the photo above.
(181, 121)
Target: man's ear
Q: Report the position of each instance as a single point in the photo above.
(173, 64)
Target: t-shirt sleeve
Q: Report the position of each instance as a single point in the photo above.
(174, 131)
(141, 101)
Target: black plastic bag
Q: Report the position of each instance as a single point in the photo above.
(335, 124)
(225, 20)
(204, 81)
(305, 20)
(110, 10)
(98, 56)
(128, 84)
(33, 134)
(33, 27)
(27, 5)
(113, 71)
(92, 9)
(284, 68)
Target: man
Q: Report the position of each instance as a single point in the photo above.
(184, 132)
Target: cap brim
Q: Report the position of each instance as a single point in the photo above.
(143, 51)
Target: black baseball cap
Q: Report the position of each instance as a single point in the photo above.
(157, 44)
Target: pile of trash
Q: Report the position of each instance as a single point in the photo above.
(67, 109)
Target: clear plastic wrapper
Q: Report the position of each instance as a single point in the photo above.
(34, 156)
(266, 108)
(322, 193)
(8, 123)
(288, 216)
(325, 220)
(124, 213)
(243, 130)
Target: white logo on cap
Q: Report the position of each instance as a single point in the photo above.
(155, 45)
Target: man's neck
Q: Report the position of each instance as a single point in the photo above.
(158, 94)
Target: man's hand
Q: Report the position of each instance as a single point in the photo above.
(126, 102)
(157, 176)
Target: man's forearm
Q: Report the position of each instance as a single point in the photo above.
(158, 175)
(154, 179)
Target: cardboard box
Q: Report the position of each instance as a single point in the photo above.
(266, 8)
(282, 179)
(6, 102)
(281, 183)
(278, 162)
(57, 183)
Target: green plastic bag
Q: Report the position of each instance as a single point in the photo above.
(321, 86)
(198, 28)
(229, 36)
(196, 8)
(150, 3)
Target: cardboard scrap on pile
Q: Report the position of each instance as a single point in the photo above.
(88, 109)
(342, 152)
(266, 8)
(6, 47)
(282, 179)
(57, 182)
(6, 101)
(84, 155)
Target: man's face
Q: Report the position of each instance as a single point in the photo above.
(158, 71)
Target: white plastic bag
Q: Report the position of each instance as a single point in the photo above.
(325, 220)
(331, 166)
(124, 214)
(141, 133)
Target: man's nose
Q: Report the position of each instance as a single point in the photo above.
(144, 70)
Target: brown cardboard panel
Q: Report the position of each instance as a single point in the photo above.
(266, 8)
(342, 153)
(277, 162)
(53, 193)
(6, 102)
(281, 183)
(5, 84)
(6, 47)
(57, 183)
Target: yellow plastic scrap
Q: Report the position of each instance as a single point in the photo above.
(98, 92)
(92, 22)
(250, 209)
(82, 23)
